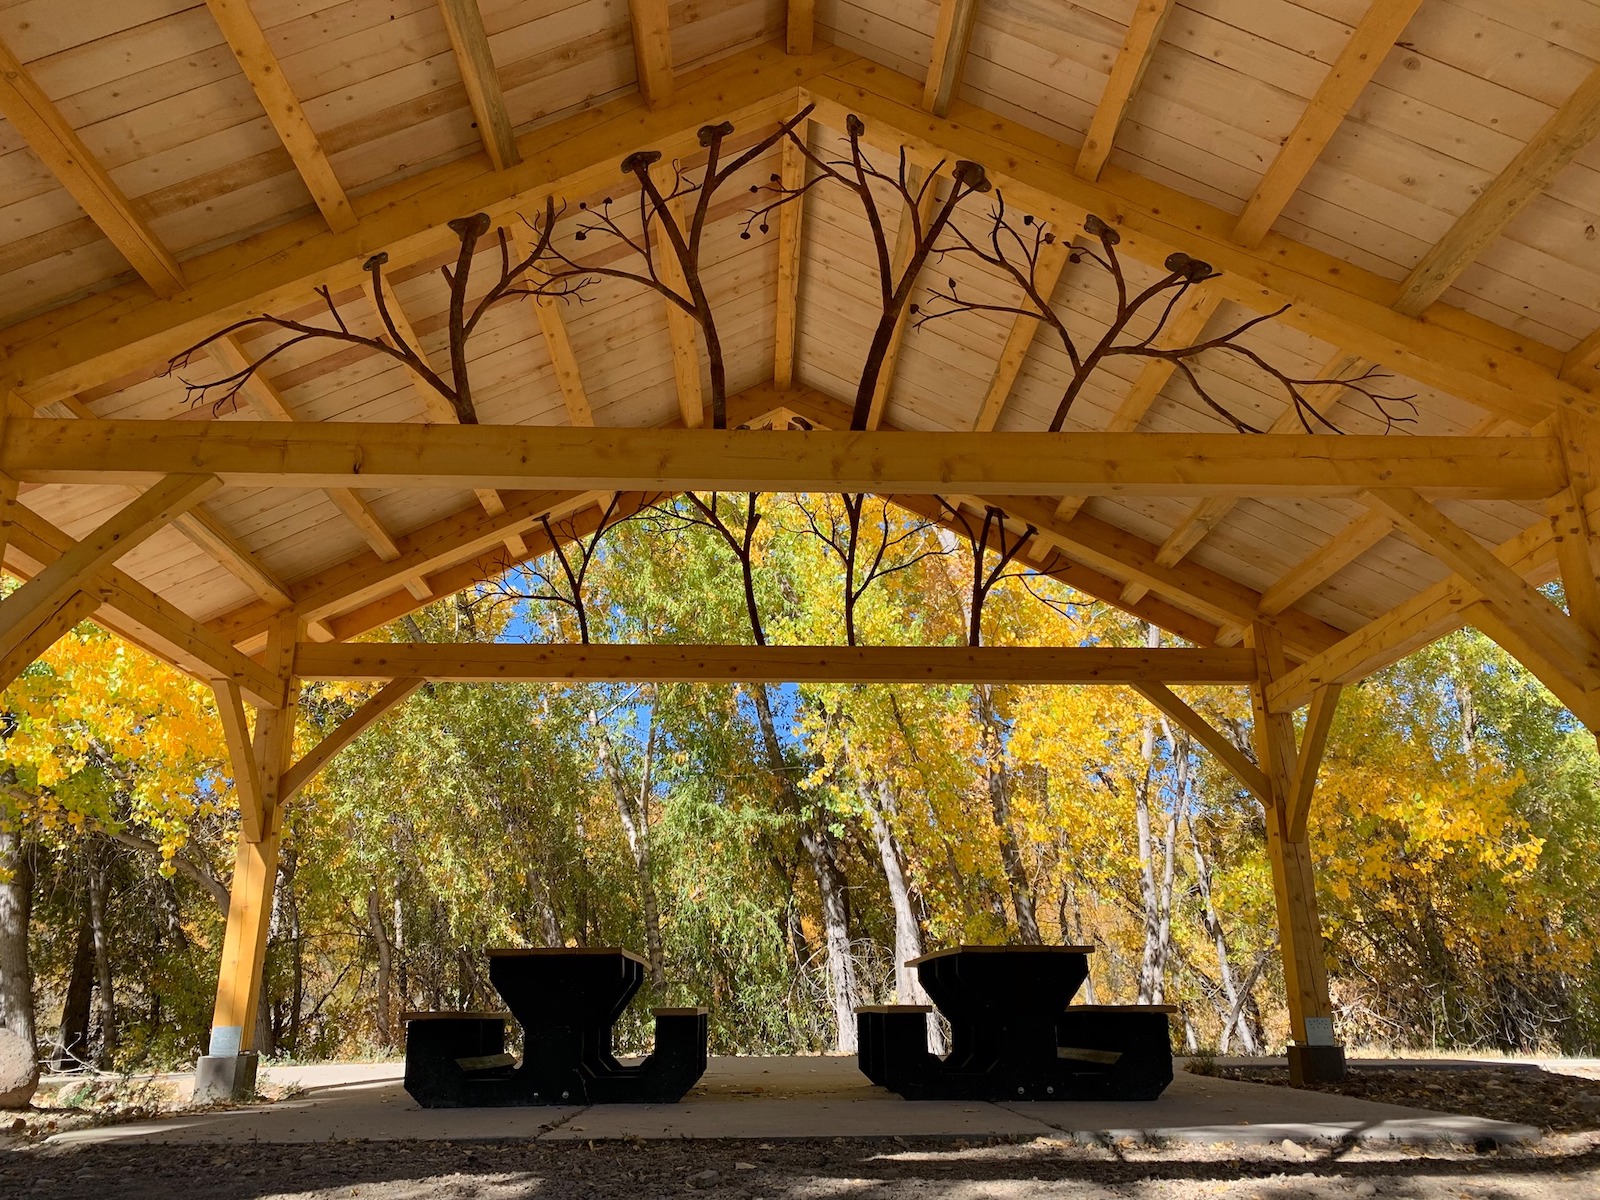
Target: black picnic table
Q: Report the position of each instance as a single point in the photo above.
(1014, 1034)
(567, 1002)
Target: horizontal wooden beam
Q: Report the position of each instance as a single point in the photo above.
(520, 662)
(399, 455)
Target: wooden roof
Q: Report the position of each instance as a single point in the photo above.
(1414, 177)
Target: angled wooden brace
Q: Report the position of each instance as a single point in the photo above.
(1209, 736)
(79, 606)
(391, 694)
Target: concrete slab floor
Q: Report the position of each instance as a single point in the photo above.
(823, 1097)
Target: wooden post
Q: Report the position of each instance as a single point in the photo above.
(228, 1071)
(1314, 1056)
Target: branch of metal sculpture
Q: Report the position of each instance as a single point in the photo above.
(574, 558)
(1016, 252)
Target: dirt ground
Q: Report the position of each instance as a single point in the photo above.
(1567, 1168)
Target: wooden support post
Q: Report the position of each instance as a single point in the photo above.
(1314, 1056)
(228, 1071)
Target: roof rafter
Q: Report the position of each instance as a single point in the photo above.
(1570, 128)
(800, 25)
(652, 50)
(58, 146)
(464, 23)
(260, 65)
(1369, 44)
(1127, 72)
(792, 178)
(951, 37)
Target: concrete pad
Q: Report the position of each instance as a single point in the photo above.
(777, 1098)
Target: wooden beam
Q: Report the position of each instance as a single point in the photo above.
(246, 771)
(8, 504)
(464, 23)
(1127, 72)
(1571, 128)
(391, 694)
(800, 26)
(905, 245)
(790, 228)
(1581, 360)
(1574, 534)
(26, 609)
(562, 458)
(1580, 695)
(209, 533)
(1313, 742)
(19, 654)
(1052, 261)
(652, 50)
(136, 614)
(951, 36)
(1209, 736)
(1518, 602)
(477, 662)
(1370, 42)
(47, 132)
(260, 65)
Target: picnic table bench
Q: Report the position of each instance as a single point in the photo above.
(567, 1002)
(1014, 1035)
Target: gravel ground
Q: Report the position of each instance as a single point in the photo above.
(1528, 1095)
(1565, 1168)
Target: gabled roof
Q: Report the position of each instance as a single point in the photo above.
(1424, 168)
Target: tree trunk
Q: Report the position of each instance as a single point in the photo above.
(880, 804)
(72, 1039)
(104, 985)
(843, 989)
(633, 808)
(1149, 968)
(16, 903)
(1229, 1011)
(997, 776)
(380, 938)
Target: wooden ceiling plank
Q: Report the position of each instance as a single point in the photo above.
(1520, 603)
(1052, 261)
(477, 662)
(652, 50)
(560, 457)
(800, 26)
(951, 37)
(1370, 42)
(36, 118)
(1127, 72)
(261, 67)
(792, 175)
(464, 23)
(1568, 131)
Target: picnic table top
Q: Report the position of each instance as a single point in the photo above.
(911, 962)
(564, 951)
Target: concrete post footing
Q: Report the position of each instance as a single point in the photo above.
(225, 1077)
(1316, 1064)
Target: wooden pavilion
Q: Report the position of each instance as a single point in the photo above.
(1413, 179)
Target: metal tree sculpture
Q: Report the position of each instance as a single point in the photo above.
(1016, 253)
(457, 390)
(856, 173)
(543, 584)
